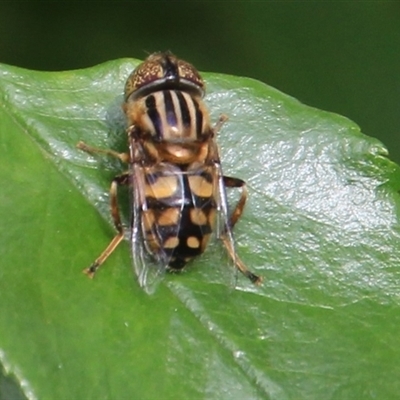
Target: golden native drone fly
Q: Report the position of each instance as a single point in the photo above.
(175, 175)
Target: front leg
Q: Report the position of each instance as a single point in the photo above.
(124, 157)
(221, 121)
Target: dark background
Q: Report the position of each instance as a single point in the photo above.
(338, 56)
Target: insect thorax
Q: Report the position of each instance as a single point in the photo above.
(170, 115)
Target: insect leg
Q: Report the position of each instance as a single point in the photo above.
(238, 262)
(221, 120)
(124, 157)
(235, 215)
(118, 180)
(237, 212)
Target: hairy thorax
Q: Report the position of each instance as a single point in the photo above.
(176, 123)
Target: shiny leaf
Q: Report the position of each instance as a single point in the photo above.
(321, 226)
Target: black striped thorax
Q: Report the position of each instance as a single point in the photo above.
(175, 116)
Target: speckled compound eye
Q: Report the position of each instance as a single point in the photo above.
(163, 71)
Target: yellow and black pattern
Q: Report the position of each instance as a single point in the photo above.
(178, 212)
(175, 175)
(172, 116)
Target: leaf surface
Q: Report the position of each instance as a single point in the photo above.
(321, 226)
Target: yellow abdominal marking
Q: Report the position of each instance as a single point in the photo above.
(169, 217)
(164, 186)
(198, 217)
(193, 242)
(200, 187)
(171, 242)
(148, 220)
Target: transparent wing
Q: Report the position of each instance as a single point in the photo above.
(223, 228)
(147, 273)
(228, 218)
(210, 205)
(156, 213)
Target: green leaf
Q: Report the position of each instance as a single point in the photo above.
(321, 226)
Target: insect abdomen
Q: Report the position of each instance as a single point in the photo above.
(180, 244)
(180, 215)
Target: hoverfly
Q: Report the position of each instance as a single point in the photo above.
(175, 176)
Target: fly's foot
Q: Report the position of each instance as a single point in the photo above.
(91, 271)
